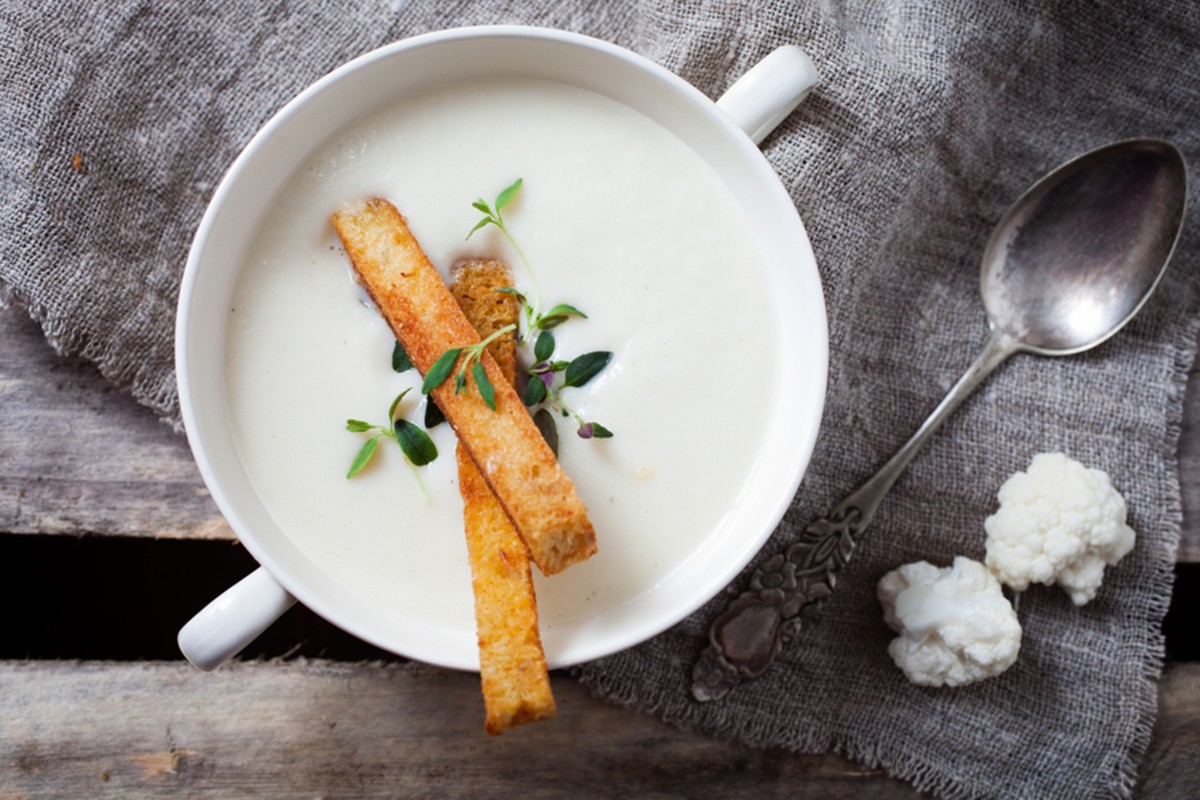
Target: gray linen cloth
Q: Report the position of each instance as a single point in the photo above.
(118, 119)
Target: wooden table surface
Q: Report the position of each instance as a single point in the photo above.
(78, 457)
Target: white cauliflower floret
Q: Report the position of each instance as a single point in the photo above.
(1058, 522)
(955, 625)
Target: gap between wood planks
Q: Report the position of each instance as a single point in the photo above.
(317, 728)
(125, 598)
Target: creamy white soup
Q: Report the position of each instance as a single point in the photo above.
(616, 217)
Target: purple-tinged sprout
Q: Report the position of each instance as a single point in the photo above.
(585, 430)
(548, 379)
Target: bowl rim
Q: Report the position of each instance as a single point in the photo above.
(282, 572)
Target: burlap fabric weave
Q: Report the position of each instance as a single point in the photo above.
(118, 119)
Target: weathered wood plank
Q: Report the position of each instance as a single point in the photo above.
(1172, 765)
(1189, 470)
(77, 456)
(325, 729)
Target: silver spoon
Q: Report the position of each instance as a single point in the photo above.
(1067, 266)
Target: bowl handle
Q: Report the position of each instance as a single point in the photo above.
(233, 620)
(770, 90)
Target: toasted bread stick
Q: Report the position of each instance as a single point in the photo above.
(505, 444)
(512, 665)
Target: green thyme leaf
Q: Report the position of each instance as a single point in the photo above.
(482, 207)
(545, 424)
(483, 223)
(396, 402)
(513, 292)
(417, 446)
(363, 457)
(357, 425)
(543, 348)
(505, 197)
(564, 308)
(558, 315)
(460, 382)
(433, 414)
(486, 390)
(535, 392)
(400, 359)
(440, 370)
(585, 367)
(600, 432)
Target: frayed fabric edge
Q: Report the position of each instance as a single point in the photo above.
(1124, 769)
(922, 776)
(805, 739)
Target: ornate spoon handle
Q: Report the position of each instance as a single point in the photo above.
(752, 630)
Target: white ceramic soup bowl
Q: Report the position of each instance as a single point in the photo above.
(723, 134)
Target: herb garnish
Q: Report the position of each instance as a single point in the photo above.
(535, 321)
(400, 360)
(541, 387)
(416, 445)
(402, 363)
(544, 421)
(544, 386)
(472, 363)
(493, 215)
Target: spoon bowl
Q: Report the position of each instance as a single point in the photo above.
(1079, 253)
(1067, 266)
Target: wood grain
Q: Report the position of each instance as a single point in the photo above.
(76, 456)
(326, 729)
(1189, 471)
(1172, 766)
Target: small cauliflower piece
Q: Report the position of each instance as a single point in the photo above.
(955, 625)
(1058, 522)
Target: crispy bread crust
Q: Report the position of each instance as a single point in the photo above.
(512, 665)
(474, 285)
(505, 444)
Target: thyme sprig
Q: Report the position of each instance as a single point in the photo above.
(416, 445)
(493, 215)
(544, 387)
(547, 377)
(471, 363)
(536, 321)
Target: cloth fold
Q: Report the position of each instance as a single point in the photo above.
(117, 123)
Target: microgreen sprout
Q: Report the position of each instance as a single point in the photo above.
(494, 215)
(416, 445)
(535, 321)
(543, 386)
(471, 364)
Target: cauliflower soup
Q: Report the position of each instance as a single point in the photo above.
(616, 217)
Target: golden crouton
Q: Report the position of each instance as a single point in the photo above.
(512, 665)
(504, 443)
